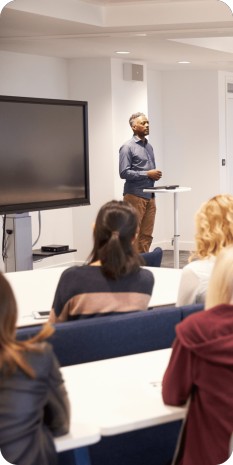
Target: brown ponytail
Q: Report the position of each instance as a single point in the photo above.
(115, 229)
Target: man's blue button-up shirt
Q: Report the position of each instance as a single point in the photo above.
(136, 158)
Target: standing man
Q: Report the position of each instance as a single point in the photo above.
(137, 167)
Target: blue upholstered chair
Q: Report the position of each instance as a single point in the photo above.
(153, 258)
(110, 336)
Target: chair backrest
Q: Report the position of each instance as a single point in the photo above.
(111, 336)
(187, 310)
(153, 258)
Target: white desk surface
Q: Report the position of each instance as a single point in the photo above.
(120, 394)
(34, 290)
(166, 286)
(80, 435)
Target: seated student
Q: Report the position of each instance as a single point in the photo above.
(201, 369)
(33, 402)
(112, 280)
(214, 230)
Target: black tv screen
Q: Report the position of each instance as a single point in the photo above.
(43, 154)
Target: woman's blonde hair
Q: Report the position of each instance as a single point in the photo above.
(214, 226)
(220, 287)
(11, 350)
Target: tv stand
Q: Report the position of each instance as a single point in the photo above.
(18, 242)
(39, 254)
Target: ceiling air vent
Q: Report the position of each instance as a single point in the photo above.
(230, 87)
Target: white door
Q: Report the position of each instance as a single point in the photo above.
(229, 138)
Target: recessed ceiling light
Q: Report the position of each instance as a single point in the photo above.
(183, 62)
(228, 3)
(122, 52)
(4, 3)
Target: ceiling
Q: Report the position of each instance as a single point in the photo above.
(159, 32)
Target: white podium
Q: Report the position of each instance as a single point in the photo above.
(175, 239)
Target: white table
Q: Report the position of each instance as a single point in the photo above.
(175, 239)
(121, 394)
(165, 290)
(80, 435)
(34, 290)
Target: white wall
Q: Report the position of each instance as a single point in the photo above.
(155, 115)
(184, 131)
(32, 75)
(36, 76)
(190, 144)
(128, 97)
(111, 100)
(225, 132)
(90, 80)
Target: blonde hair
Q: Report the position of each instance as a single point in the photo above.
(220, 287)
(214, 226)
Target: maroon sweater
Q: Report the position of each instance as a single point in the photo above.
(201, 367)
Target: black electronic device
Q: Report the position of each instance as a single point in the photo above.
(168, 187)
(54, 248)
(172, 186)
(41, 314)
(43, 154)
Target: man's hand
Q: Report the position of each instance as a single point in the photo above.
(154, 174)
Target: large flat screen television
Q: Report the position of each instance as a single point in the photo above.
(43, 154)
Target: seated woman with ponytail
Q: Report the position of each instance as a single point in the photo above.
(113, 280)
(33, 402)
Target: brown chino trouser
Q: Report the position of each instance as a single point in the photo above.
(146, 209)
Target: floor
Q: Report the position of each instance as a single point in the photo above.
(168, 261)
